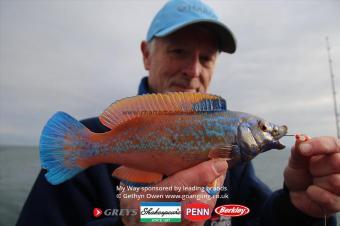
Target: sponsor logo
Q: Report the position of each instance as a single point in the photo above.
(97, 212)
(232, 210)
(114, 212)
(160, 212)
(196, 211)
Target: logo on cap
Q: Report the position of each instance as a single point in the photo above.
(195, 9)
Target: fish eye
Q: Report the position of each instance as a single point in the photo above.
(262, 126)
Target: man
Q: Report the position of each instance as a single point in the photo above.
(180, 52)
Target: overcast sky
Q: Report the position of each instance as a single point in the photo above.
(80, 56)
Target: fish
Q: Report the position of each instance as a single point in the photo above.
(155, 135)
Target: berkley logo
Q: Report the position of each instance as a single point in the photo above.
(232, 210)
(196, 211)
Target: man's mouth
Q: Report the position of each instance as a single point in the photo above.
(189, 90)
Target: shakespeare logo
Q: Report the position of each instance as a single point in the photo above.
(232, 210)
(160, 212)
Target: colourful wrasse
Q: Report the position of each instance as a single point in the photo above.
(155, 135)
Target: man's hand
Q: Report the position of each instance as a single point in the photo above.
(313, 175)
(199, 175)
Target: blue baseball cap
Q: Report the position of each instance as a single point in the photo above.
(177, 14)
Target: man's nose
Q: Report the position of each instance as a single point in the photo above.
(193, 66)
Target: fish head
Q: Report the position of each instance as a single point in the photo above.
(256, 135)
(267, 135)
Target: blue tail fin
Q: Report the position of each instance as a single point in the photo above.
(61, 142)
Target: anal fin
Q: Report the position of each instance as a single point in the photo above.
(136, 177)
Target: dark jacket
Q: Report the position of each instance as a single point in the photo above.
(72, 202)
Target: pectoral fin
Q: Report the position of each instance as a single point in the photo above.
(224, 152)
(136, 177)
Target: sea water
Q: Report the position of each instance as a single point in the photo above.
(20, 165)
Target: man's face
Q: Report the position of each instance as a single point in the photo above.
(182, 62)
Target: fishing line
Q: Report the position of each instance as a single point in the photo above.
(324, 215)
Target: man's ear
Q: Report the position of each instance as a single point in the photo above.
(146, 54)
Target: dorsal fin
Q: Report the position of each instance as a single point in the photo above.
(167, 103)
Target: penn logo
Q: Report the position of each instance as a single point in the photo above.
(232, 210)
(97, 212)
(196, 211)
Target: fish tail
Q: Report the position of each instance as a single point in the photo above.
(62, 141)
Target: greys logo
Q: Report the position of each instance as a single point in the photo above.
(115, 212)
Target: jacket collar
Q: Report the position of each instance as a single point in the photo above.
(144, 86)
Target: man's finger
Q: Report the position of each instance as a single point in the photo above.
(329, 202)
(202, 197)
(196, 177)
(323, 165)
(199, 175)
(298, 161)
(319, 145)
(297, 179)
(296, 174)
(301, 200)
(330, 183)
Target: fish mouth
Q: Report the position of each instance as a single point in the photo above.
(274, 144)
(278, 145)
(281, 132)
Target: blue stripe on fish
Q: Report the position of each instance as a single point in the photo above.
(210, 105)
(62, 131)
